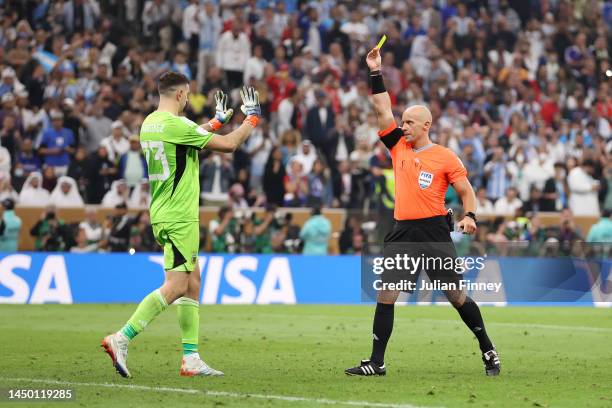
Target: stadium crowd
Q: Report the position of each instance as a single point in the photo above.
(520, 90)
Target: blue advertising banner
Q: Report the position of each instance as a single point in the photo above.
(289, 279)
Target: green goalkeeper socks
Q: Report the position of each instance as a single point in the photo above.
(189, 321)
(152, 305)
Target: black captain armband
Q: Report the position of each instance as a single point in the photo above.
(376, 82)
(391, 135)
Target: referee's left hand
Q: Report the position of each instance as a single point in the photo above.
(467, 225)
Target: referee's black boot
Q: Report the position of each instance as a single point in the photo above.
(366, 368)
(491, 362)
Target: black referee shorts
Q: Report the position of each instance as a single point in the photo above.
(421, 244)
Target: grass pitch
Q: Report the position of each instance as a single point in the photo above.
(294, 356)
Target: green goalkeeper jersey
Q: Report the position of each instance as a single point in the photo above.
(170, 144)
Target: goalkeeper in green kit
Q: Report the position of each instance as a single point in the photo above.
(171, 143)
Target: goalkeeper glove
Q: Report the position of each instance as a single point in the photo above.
(222, 114)
(250, 104)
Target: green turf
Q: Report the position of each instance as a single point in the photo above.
(301, 351)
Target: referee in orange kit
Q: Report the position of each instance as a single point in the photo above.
(423, 171)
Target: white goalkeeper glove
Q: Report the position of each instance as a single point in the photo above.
(250, 104)
(222, 114)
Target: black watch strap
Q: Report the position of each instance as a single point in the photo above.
(471, 215)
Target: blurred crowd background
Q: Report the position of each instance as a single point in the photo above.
(519, 89)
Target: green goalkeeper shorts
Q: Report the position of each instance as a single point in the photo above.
(181, 242)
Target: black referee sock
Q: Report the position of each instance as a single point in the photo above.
(470, 314)
(381, 331)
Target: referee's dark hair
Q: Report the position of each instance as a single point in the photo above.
(168, 81)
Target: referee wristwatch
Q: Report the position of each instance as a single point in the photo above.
(471, 215)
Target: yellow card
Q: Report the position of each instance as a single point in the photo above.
(382, 41)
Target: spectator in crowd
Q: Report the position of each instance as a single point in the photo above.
(319, 186)
(96, 127)
(116, 144)
(216, 173)
(8, 82)
(141, 195)
(143, 239)
(155, 14)
(288, 111)
(583, 189)
(554, 195)
(51, 233)
(66, 194)
(77, 170)
(316, 233)
(27, 161)
(33, 194)
(255, 66)
(296, 184)
(132, 164)
(319, 123)
(99, 173)
(368, 131)
(306, 155)
(233, 52)
(119, 193)
(602, 230)
(508, 204)
(10, 226)
(90, 226)
(286, 238)
(534, 204)
(497, 173)
(289, 142)
(472, 164)
(49, 178)
(5, 162)
(9, 134)
(223, 230)
(121, 229)
(191, 27)
(484, 205)
(57, 144)
(7, 190)
(83, 245)
(236, 197)
(258, 147)
(274, 176)
(210, 30)
(535, 173)
(263, 230)
(351, 234)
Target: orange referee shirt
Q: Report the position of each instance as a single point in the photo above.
(422, 176)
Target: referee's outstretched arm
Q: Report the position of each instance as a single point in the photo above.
(380, 96)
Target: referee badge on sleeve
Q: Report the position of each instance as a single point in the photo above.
(425, 179)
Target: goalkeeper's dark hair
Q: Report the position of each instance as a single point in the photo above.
(169, 81)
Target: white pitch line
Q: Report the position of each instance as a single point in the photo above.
(530, 325)
(458, 321)
(322, 401)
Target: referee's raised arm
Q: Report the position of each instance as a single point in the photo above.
(380, 97)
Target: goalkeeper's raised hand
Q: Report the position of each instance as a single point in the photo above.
(250, 104)
(222, 114)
